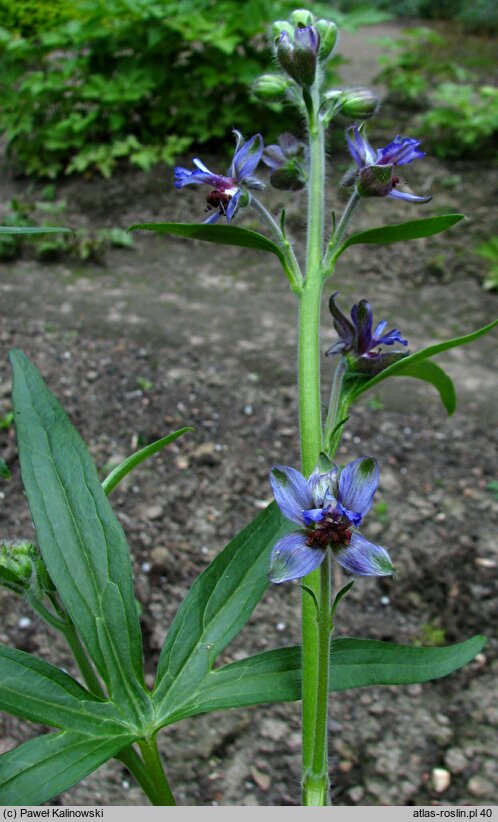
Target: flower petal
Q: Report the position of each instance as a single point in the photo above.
(246, 158)
(232, 205)
(359, 147)
(315, 514)
(401, 151)
(392, 337)
(292, 558)
(291, 491)
(323, 486)
(411, 198)
(342, 325)
(364, 558)
(362, 317)
(358, 483)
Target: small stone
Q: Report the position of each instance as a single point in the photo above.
(415, 689)
(455, 760)
(441, 779)
(479, 786)
(24, 622)
(356, 794)
(262, 780)
(182, 463)
(92, 375)
(153, 512)
(206, 454)
(274, 729)
(160, 558)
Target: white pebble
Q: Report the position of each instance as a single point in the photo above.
(24, 622)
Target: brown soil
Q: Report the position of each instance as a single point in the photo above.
(213, 330)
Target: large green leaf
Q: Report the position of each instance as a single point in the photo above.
(40, 769)
(275, 676)
(222, 234)
(7, 229)
(81, 540)
(412, 230)
(131, 462)
(411, 367)
(36, 690)
(218, 605)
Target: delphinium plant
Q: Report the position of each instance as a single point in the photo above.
(78, 574)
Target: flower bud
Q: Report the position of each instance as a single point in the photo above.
(287, 163)
(359, 104)
(375, 181)
(306, 47)
(302, 17)
(285, 54)
(328, 38)
(282, 25)
(16, 565)
(271, 87)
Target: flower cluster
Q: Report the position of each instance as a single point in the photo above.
(328, 508)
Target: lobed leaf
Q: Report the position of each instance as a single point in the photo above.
(275, 676)
(414, 365)
(131, 462)
(221, 234)
(36, 690)
(45, 766)
(217, 607)
(80, 538)
(412, 230)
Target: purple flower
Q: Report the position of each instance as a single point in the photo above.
(287, 163)
(328, 507)
(376, 178)
(358, 339)
(226, 190)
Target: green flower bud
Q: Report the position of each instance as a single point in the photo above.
(328, 38)
(302, 17)
(375, 181)
(16, 565)
(271, 87)
(282, 25)
(359, 104)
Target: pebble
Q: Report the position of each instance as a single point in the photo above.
(153, 511)
(441, 779)
(160, 558)
(356, 793)
(274, 729)
(205, 454)
(479, 786)
(455, 760)
(262, 779)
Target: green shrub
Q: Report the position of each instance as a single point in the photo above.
(463, 120)
(133, 79)
(28, 17)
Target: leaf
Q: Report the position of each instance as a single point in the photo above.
(217, 607)
(81, 541)
(412, 230)
(275, 676)
(4, 470)
(131, 462)
(410, 366)
(6, 229)
(36, 690)
(45, 766)
(222, 234)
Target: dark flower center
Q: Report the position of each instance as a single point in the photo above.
(328, 532)
(218, 199)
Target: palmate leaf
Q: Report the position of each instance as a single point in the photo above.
(215, 610)
(35, 690)
(221, 234)
(43, 767)
(412, 230)
(81, 540)
(418, 365)
(275, 676)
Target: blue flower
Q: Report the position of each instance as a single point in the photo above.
(328, 507)
(376, 178)
(226, 190)
(358, 339)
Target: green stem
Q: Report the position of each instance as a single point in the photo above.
(339, 232)
(292, 268)
(129, 757)
(310, 421)
(338, 407)
(155, 768)
(82, 660)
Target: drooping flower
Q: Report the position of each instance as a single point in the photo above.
(375, 177)
(287, 163)
(227, 190)
(359, 339)
(328, 508)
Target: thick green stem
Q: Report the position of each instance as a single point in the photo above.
(310, 420)
(152, 759)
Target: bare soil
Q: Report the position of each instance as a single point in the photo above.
(175, 332)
